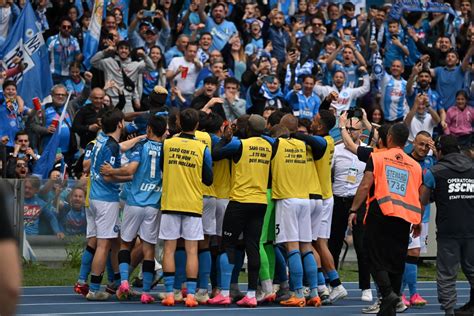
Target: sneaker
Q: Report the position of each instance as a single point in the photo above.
(401, 307)
(220, 299)
(314, 301)
(178, 296)
(111, 288)
(168, 300)
(405, 301)
(215, 292)
(147, 298)
(324, 296)
(389, 303)
(306, 292)
(123, 291)
(81, 288)
(372, 309)
(366, 295)
(294, 301)
(97, 296)
(201, 297)
(190, 301)
(236, 295)
(247, 302)
(282, 295)
(466, 309)
(417, 300)
(337, 293)
(263, 298)
(184, 292)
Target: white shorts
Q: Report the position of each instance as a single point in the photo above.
(316, 214)
(221, 205)
(103, 220)
(142, 221)
(292, 220)
(425, 227)
(209, 215)
(175, 226)
(326, 218)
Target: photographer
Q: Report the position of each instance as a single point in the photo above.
(23, 151)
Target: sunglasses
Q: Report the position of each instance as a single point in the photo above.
(66, 27)
(317, 24)
(352, 129)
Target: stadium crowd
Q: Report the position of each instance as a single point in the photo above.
(329, 77)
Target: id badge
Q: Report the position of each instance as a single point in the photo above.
(351, 175)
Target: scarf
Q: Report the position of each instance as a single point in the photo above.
(299, 70)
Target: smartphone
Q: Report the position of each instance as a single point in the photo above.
(269, 79)
(347, 38)
(149, 13)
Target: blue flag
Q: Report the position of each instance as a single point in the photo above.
(45, 164)
(25, 41)
(91, 40)
(80, 8)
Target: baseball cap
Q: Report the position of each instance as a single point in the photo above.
(152, 29)
(257, 123)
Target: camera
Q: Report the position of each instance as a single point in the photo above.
(355, 112)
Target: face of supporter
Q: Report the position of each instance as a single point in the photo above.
(23, 141)
(273, 86)
(75, 73)
(55, 175)
(274, 63)
(59, 96)
(191, 52)
(30, 191)
(217, 69)
(182, 42)
(330, 47)
(376, 116)
(10, 91)
(77, 199)
(215, 55)
(465, 7)
(349, 12)
(72, 14)
(421, 145)
(424, 80)
(421, 108)
(451, 60)
(97, 98)
(461, 102)
(255, 28)
(86, 22)
(302, 129)
(333, 13)
(348, 55)
(110, 23)
(150, 37)
(312, 9)
(218, 14)
(236, 45)
(338, 79)
(308, 85)
(317, 24)
(278, 20)
(107, 100)
(354, 128)
(302, 6)
(397, 68)
(142, 30)
(123, 52)
(379, 17)
(250, 10)
(444, 44)
(155, 55)
(231, 89)
(21, 169)
(66, 28)
(393, 28)
(118, 16)
(205, 42)
(167, 4)
(209, 89)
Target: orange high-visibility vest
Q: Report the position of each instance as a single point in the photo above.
(397, 179)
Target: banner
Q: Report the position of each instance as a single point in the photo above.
(401, 6)
(91, 40)
(26, 42)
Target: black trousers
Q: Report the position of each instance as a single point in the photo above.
(246, 218)
(340, 216)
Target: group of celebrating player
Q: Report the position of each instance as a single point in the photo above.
(211, 192)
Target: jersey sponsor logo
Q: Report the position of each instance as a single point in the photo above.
(147, 187)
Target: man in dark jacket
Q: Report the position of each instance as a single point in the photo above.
(452, 181)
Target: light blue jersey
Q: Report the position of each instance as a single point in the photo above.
(393, 100)
(106, 150)
(146, 185)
